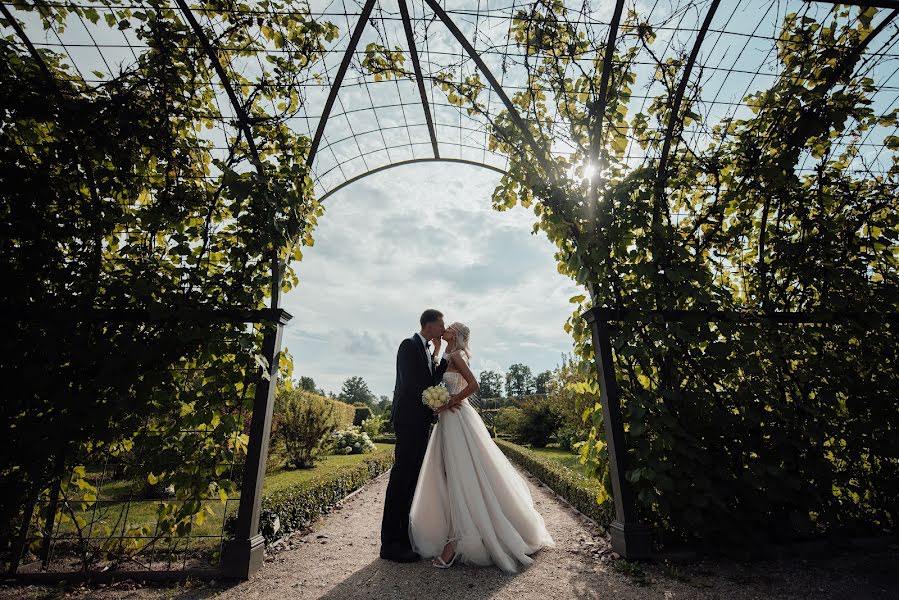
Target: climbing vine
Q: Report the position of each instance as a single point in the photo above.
(735, 433)
(135, 190)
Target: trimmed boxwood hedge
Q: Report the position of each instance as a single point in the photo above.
(579, 491)
(297, 506)
(361, 412)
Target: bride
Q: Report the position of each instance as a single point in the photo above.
(470, 503)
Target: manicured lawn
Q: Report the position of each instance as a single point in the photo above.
(570, 460)
(111, 512)
(283, 478)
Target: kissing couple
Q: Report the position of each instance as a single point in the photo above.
(453, 496)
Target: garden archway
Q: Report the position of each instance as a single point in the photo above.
(283, 91)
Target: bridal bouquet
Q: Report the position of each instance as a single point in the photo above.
(435, 397)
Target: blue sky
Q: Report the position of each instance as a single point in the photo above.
(416, 237)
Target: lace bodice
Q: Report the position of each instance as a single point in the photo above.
(454, 381)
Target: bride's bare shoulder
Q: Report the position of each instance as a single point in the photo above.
(457, 356)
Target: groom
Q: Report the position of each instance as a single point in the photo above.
(416, 370)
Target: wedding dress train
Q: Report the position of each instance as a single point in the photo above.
(470, 494)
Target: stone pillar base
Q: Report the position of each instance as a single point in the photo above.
(242, 558)
(631, 541)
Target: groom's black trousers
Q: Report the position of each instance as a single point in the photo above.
(411, 444)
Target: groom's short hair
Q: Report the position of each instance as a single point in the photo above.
(429, 316)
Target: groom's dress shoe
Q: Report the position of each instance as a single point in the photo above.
(398, 554)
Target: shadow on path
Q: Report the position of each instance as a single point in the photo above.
(383, 579)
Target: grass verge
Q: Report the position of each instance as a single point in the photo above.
(294, 505)
(576, 488)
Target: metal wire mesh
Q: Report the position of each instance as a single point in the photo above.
(128, 499)
(375, 124)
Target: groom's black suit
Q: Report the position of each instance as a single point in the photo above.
(412, 422)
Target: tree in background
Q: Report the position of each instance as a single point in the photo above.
(541, 381)
(307, 383)
(539, 422)
(384, 404)
(356, 390)
(491, 384)
(519, 381)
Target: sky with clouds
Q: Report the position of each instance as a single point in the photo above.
(415, 237)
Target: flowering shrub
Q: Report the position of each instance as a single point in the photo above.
(305, 421)
(372, 425)
(351, 441)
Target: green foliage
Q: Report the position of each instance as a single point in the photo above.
(567, 392)
(384, 406)
(356, 391)
(540, 418)
(519, 381)
(307, 383)
(735, 433)
(541, 381)
(361, 414)
(297, 506)
(384, 63)
(582, 493)
(351, 441)
(115, 197)
(372, 425)
(491, 384)
(507, 420)
(569, 438)
(306, 422)
(632, 569)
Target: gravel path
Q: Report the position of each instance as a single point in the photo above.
(339, 559)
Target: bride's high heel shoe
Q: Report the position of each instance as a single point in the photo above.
(439, 563)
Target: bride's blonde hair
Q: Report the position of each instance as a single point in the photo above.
(463, 336)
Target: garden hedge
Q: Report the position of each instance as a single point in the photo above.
(297, 506)
(580, 492)
(346, 413)
(361, 412)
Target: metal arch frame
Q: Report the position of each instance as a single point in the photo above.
(242, 118)
(244, 554)
(845, 66)
(409, 162)
(599, 107)
(662, 176)
(866, 3)
(494, 83)
(630, 538)
(31, 49)
(463, 41)
(419, 79)
(598, 110)
(338, 79)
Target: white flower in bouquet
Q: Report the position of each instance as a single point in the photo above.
(435, 397)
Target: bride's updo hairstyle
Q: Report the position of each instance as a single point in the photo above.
(463, 336)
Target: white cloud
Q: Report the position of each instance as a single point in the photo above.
(417, 237)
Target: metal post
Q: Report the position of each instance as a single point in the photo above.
(243, 555)
(630, 538)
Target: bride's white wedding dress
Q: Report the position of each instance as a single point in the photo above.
(469, 493)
